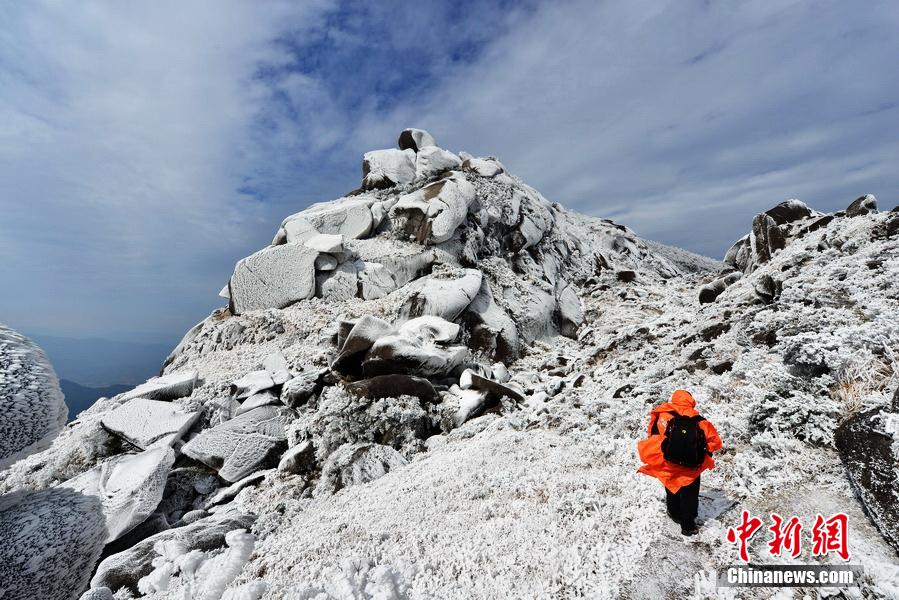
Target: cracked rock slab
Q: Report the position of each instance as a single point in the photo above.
(129, 487)
(166, 387)
(442, 295)
(147, 423)
(274, 277)
(245, 444)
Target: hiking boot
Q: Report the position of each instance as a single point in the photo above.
(689, 529)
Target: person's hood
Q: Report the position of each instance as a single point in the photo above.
(681, 402)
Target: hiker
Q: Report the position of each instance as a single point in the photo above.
(679, 448)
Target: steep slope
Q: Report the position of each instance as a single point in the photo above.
(433, 388)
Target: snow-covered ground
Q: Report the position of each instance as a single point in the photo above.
(534, 498)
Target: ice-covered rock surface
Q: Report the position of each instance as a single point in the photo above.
(147, 423)
(129, 487)
(451, 405)
(32, 407)
(49, 543)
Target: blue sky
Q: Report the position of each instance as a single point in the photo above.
(145, 147)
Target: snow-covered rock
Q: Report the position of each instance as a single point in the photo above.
(387, 168)
(166, 387)
(274, 277)
(241, 445)
(445, 294)
(357, 464)
(32, 407)
(146, 423)
(432, 214)
(129, 487)
(432, 161)
(51, 540)
(415, 139)
(125, 569)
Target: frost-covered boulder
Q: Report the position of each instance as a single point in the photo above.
(383, 169)
(789, 211)
(166, 387)
(871, 464)
(32, 407)
(146, 423)
(432, 161)
(415, 139)
(125, 569)
(325, 242)
(51, 540)
(299, 459)
(492, 330)
(710, 291)
(274, 277)
(301, 388)
(399, 354)
(364, 333)
(864, 205)
(244, 444)
(357, 464)
(266, 398)
(431, 214)
(129, 487)
(445, 294)
(569, 312)
(252, 383)
(430, 329)
(393, 386)
(485, 167)
(347, 217)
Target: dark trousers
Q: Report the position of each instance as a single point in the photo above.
(684, 504)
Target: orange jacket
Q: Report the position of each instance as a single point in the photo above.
(673, 476)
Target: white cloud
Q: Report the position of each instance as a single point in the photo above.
(126, 128)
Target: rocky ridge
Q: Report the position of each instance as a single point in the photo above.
(445, 341)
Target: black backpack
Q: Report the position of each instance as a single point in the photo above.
(684, 442)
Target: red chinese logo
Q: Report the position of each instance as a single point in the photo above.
(828, 535)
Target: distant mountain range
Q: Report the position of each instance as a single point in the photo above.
(79, 397)
(96, 362)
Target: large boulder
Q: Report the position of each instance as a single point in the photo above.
(867, 453)
(432, 214)
(432, 161)
(274, 277)
(445, 294)
(766, 238)
(491, 329)
(125, 569)
(166, 387)
(415, 139)
(864, 205)
(365, 332)
(410, 356)
(393, 386)
(710, 291)
(383, 169)
(129, 487)
(350, 218)
(357, 464)
(51, 540)
(789, 211)
(146, 423)
(245, 444)
(32, 407)
(569, 312)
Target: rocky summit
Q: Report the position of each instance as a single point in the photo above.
(433, 388)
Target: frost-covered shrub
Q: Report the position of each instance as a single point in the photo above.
(808, 418)
(341, 418)
(356, 580)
